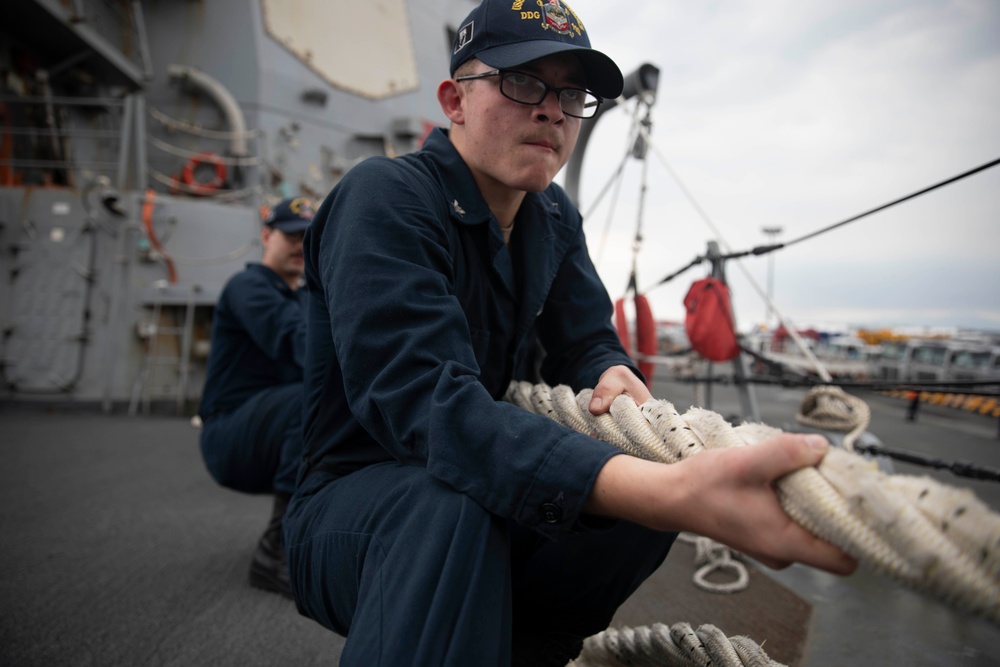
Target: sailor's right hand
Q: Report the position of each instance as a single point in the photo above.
(727, 495)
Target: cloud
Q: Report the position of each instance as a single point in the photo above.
(799, 115)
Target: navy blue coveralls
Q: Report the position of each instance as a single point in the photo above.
(251, 403)
(436, 524)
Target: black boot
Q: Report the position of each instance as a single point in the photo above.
(269, 568)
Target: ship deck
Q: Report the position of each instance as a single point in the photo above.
(119, 550)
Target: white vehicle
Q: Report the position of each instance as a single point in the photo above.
(938, 360)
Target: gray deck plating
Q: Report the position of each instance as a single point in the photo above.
(119, 550)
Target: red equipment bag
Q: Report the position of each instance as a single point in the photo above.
(709, 321)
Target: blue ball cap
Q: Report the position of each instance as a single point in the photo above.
(509, 33)
(291, 215)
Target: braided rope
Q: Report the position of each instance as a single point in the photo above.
(920, 532)
(678, 645)
(832, 408)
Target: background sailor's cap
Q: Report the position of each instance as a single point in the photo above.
(291, 215)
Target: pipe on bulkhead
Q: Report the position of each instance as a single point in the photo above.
(214, 89)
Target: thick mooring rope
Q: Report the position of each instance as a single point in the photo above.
(924, 534)
(678, 645)
(824, 407)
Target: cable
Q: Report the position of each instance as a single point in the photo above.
(616, 179)
(191, 128)
(763, 250)
(893, 203)
(960, 468)
(218, 195)
(617, 182)
(694, 262)
(186, 153)
(784, 321)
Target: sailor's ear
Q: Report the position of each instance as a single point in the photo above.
(265, 235)
(451, 97)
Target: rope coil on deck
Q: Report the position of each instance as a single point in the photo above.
(711, 556)
(922, 533)
(678, 645)
(832, 408)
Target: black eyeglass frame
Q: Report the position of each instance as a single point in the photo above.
(558, 91)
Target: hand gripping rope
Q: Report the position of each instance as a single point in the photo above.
(922, 533)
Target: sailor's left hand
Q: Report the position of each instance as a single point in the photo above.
(614, 382)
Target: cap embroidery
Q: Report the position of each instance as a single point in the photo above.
(464, 36)
(302, 207)
(553, 16)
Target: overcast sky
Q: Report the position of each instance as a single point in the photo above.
(799, 114)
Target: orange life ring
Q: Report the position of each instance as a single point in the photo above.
(207, 187)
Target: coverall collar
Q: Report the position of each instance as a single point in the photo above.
(543, 233)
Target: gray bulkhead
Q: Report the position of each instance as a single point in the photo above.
(112, 254)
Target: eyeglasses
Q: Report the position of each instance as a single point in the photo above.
(527, 89)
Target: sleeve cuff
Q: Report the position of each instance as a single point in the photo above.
(553, 505)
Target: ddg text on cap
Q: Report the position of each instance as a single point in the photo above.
(508, 33)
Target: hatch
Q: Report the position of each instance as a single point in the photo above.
(364, 47)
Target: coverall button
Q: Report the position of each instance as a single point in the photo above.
(551, 513)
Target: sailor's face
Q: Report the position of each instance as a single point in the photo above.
(516, 145)
(283, 252)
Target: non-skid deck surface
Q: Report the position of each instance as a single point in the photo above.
(767, 612)
(118, 550)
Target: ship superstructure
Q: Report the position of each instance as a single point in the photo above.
(139, 142)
